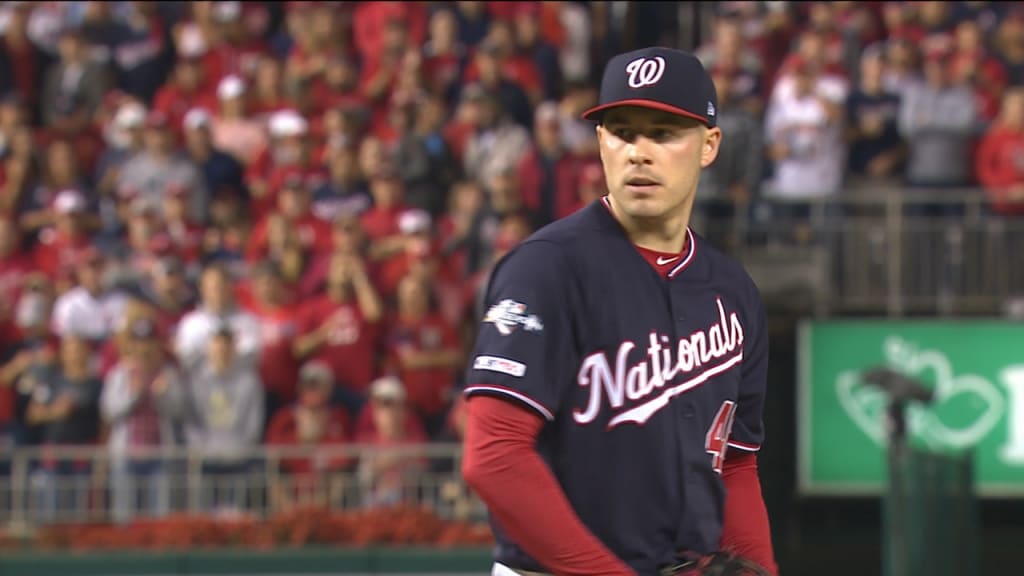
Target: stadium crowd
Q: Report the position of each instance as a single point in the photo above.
(228, 224)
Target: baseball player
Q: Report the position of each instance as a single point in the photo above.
(616, 385)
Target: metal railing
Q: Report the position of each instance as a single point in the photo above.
(90, 484)
(890, 252)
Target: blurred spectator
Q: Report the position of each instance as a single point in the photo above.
(143, 402)
(142, 53)
(277, 327)
(491, 70)
(225, 420)
(542, 54)
(64, 406)
(217, 305)
(160, 165)
(232, 129)
(184, 91)
(23, 63)
(972, 64)
(168, 289)
(341, 329)
(876, 149)
(311, 422)
(1008, 46)
(345, 192)
(61, 171)
(294, 207)
(181, 236)
(902, 66)
(497, 142)
(386, 474)
(734, 177)
(803, 126)
(444, 54)
(998, 161)
(34, 348)
(221, 171)
(939, 120)
(728, 55)
(16, 266)
(549, 170)
(123, 136)
(423, 351)
(73, 87)
(90, 309)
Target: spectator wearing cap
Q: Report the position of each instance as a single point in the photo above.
(267, 95)
(549, 170)
(124, 138)
(90, 309)
(73, 87)
(288, 151)
(217, 305)
(61, 245)
(417, 250)
(497, 142)
(226, 418)
(143, 402)
(295, 207)
(64, 405)
(61, 170)
(423, 350)
(184, 90)
(512, 86)
(160, 165)
(239, 44)
(232, 128)
(388, 422)
(342, 326)
(221, 170)
(313, 422)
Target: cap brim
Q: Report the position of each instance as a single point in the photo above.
(595, 112)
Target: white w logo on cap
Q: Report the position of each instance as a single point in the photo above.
(645, 71)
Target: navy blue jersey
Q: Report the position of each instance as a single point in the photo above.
(644, 380)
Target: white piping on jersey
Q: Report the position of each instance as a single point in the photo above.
(514, 394)
(642, 379)
(691, 243)
(744, 446)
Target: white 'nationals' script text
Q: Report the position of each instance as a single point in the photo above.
(643, 379)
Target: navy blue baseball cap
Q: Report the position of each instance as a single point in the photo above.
(659, 78)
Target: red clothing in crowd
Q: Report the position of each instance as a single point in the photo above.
(1000, 167)
(56, 253)
(14, 270)
(427, 388)
(283, 431)
(351, 346)
(278, 367)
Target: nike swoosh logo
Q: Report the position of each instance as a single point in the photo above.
(662, 260)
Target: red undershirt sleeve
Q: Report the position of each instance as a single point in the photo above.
(501, 465)
(745, 529)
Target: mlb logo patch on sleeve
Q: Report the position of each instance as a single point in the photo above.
(508, 315)
(499, 364)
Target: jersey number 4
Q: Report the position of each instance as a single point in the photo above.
(717, 440)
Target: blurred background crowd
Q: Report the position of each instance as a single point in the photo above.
(232, 224)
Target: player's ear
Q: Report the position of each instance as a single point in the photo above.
(709, 150)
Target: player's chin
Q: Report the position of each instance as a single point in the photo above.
(644, 206)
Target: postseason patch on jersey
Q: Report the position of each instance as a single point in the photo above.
(499, 364)
(508, 315)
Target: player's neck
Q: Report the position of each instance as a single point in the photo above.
(664, 234)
